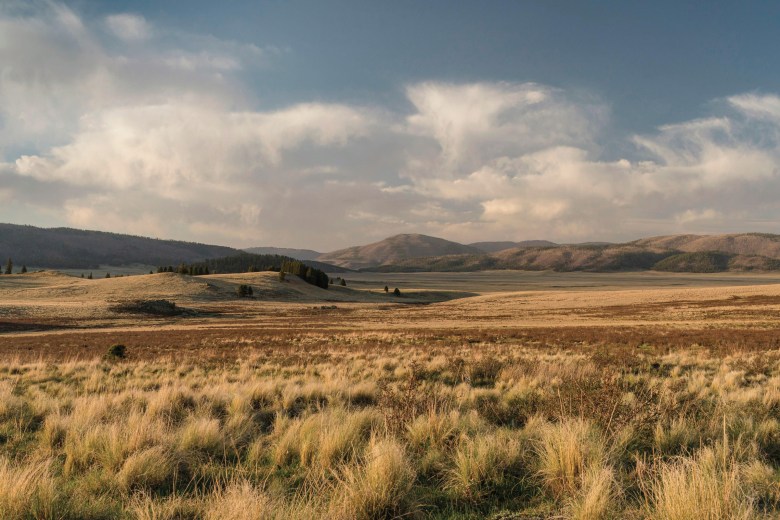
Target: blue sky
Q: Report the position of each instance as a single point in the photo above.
(654, 62)
(323, 124)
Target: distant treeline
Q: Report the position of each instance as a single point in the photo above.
(249, 263)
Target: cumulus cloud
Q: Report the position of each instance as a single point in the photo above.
(104, 124)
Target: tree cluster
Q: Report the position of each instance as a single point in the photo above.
(244, 291)
(250, 263)
(305, 272)
(192, 270)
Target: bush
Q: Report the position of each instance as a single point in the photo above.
(117, 351)
(244, 291)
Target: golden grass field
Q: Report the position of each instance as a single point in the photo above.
(483, 395)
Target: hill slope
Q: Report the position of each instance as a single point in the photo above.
(76, 248)
(494, 247)
(754, 244)
(393, 249)
(298, 254)
(680, 253)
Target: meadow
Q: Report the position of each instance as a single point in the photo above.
(651, 403)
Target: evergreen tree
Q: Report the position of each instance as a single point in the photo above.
(9, 267)
(343, 283)
(396, 292)
(108, 275)
(24, 269)
(244, 291)
(90, 276)
(387, 289)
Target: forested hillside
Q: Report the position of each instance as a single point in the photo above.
(76, 248)
(248, 262)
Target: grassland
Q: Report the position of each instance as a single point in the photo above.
(584, 403)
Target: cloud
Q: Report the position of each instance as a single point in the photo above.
(181, 149)
(129, 27)
(149, 130)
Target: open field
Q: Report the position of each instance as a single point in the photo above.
(478, 395)
(512, 281)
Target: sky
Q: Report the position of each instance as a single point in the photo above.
(325, 124)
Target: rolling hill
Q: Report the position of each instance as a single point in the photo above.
(397, 248)
(76, 248)
(63, 248)
(678, 253)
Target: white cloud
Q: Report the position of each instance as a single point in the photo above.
(180, 149)
(129, 27)
(161, 138)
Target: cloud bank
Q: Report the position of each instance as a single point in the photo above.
(120, 125)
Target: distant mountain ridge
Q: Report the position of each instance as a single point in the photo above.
(300, 254)
(676, 253)
(394, 249)
(77, 248)
(74, 248)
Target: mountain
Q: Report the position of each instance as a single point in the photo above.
(394, 249)
(755, 244)
(76, 248)
(299, 254)
(494, 247)
(679, 253)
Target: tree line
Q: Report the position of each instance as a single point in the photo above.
(249, 263)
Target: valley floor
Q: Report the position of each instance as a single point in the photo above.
(656, 401)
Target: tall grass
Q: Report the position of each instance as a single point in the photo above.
(410, 430)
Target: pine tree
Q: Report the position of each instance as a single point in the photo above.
(108, 275)
(90, 276)
(387, 289)
(24, 269)
(396, 292)
(9, 267)
(343, 283)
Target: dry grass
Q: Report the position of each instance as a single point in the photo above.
(296, 412)
(360, 432)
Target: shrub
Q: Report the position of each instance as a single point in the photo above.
(117, 351)
(244, 291)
